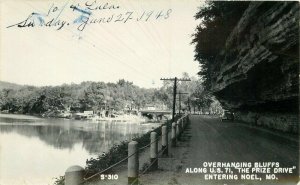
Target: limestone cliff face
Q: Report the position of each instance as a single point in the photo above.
(260, 62)
(258, 69)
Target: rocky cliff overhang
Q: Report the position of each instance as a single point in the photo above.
(259, 66)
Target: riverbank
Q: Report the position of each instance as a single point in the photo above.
(116, 154)
(57, 144)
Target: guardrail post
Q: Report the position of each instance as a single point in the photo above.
(133, 163)
(74, 175)
(164, 141)
(153, 151)
(173, 136)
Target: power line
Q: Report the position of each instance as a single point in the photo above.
(175, 91)
(177, 79)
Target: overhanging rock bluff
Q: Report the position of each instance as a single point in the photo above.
(257, 73)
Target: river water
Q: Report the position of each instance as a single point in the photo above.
(35, 150)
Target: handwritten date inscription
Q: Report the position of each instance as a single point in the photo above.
(90, 12)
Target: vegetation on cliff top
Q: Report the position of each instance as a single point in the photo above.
(218, 18)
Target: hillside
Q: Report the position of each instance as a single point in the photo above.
(8, 85)
(78, 97)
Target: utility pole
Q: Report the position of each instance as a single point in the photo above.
(174, 91)
(180, 93)
(179, 107)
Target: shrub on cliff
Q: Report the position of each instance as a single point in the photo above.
(218, 19)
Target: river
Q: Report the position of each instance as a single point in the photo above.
(33, 151)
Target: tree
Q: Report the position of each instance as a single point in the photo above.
(218, 19)
(51, 101)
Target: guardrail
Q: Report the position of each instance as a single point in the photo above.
(75, 175)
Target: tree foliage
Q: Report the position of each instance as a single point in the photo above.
(50, 100)
(79, 97)
(218, 19)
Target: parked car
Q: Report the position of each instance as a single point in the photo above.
(227, 115)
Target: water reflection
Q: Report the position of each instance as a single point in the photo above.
(97, 137)
(68, 142)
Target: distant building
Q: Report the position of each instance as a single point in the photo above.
(155, 107)
(150, 107)
(88, 112)
(84, 115)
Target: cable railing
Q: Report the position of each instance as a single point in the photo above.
(117, 163)
(150, 165)
(77, 175)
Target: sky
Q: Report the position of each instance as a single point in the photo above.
(137, 40)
